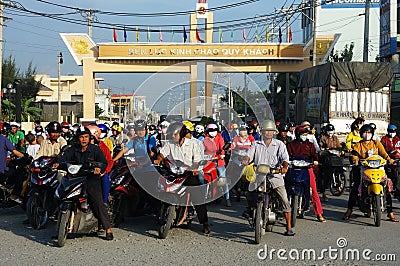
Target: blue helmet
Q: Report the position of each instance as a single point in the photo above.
(104, 128)
(391, 128)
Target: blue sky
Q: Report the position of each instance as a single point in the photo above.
(36, 39)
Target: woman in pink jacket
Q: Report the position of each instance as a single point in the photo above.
(213, 145)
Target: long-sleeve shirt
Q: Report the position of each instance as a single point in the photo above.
(306, 149)
(351, 139)
(51, 149)
(327, 142)
(391, 145)
(215, 148)
(368, 148)
(106, 151)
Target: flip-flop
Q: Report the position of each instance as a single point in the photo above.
(321, 219)
(393, 219)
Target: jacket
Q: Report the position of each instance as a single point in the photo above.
(215, 147)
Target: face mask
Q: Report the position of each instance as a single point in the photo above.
(213, 134)
(102, 135)
(303, 138)
(330, 133)
(164, 130)
(392, 135)
(367, 136)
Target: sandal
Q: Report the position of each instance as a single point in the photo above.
(347, 215)
(321, 219)
(393, 218)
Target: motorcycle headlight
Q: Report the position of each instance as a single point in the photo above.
(36, 164)
(73, 169)
(374, 163)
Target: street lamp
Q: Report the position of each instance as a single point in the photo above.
(60, 61)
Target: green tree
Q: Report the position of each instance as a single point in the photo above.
(28, 86)
(98, 111)
(344, 56)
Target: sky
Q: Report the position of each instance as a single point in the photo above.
(31, 38)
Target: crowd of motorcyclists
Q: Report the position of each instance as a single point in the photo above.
(271, 143)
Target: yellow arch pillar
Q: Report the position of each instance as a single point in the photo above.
(88, 89)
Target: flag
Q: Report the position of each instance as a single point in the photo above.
(290, 34)
(244, 35)
(257, 38)
(280, 35)
(115, 35)
(198, 36)
(125, 34)
(160, 35)
(137, 34)
(220, 35)
(148, 34)
(184, 35)
(231, 35)
(172, 35)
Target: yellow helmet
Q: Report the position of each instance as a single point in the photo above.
(189, 125)
(117, 128)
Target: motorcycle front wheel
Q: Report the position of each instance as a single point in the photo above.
(337, 183)
(116, 209)
(295, 209)
(376, 208)
(36, 214)
(258, 223)
(64, 223)
(165, 220)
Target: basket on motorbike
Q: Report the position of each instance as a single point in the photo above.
(334, 160)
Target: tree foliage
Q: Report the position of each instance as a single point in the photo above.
(28, 86)
(344, 56)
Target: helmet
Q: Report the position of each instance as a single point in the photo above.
(103, 128)
(251, 126)
(152, 127)
(212, 127)
(254, 123)
(373, 126)
(283, 127)
(15, 124)
(329, 127)
(65, 124)
(175, 128)
(94, 130)
(277, 123)
(117, 128)
(53, 127)
(199, 129)
(305, 123)
(38, 129)
(6, 128)
(140, 124)
(189, 125)
(268, 125)
(164, 124)
(300, 130)
(243, 128)
(392, 128)
(365, 128)
(235, 126)
(82, 131)
(291, 124)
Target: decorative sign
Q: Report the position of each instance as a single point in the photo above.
(353, 115)
(313, 105)
(201, 10)
(200, 51)
(80, 45)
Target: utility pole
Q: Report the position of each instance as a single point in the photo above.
(60, 61)
(1, 55)
(366, 31)
(314, 52)
(90, 20)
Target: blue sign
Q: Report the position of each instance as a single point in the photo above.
(348, 3)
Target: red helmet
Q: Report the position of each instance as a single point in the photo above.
(300, 130)
(65, 124)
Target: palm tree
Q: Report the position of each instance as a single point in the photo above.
(28, 110)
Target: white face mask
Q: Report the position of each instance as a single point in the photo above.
(367, 136)
(330, 133)
(392, 134)
(303, 138)
(213, 134)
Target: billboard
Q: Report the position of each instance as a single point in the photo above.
(388, 28)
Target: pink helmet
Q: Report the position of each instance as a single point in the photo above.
(212, 127)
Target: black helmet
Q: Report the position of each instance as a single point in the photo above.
(152, 127)
(82, 131)
(39, 129)
(174, 128)
(329, 127)
(365, 128)
(140, 124)
(53, 127)
(6, 128)
(283, 127)
(373, 126)
(291, 124)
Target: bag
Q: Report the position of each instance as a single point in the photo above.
(248, 173)
(263, 169)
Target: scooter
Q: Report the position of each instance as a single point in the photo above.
(75, 215)
(337, 179)
(235, 168)
(297, 183)
(43, 182)
(372, 189)
(267, 203)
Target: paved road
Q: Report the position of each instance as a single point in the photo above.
(231, 242)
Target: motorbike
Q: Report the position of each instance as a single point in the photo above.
(337, 179)
(297, 185)
(267, 203)
(171, 186)
(372, 189)
(235, 168)
(43, 184)
(126, 196)
(75, 215)
(18, 168)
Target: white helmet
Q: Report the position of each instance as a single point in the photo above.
(199, 129)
